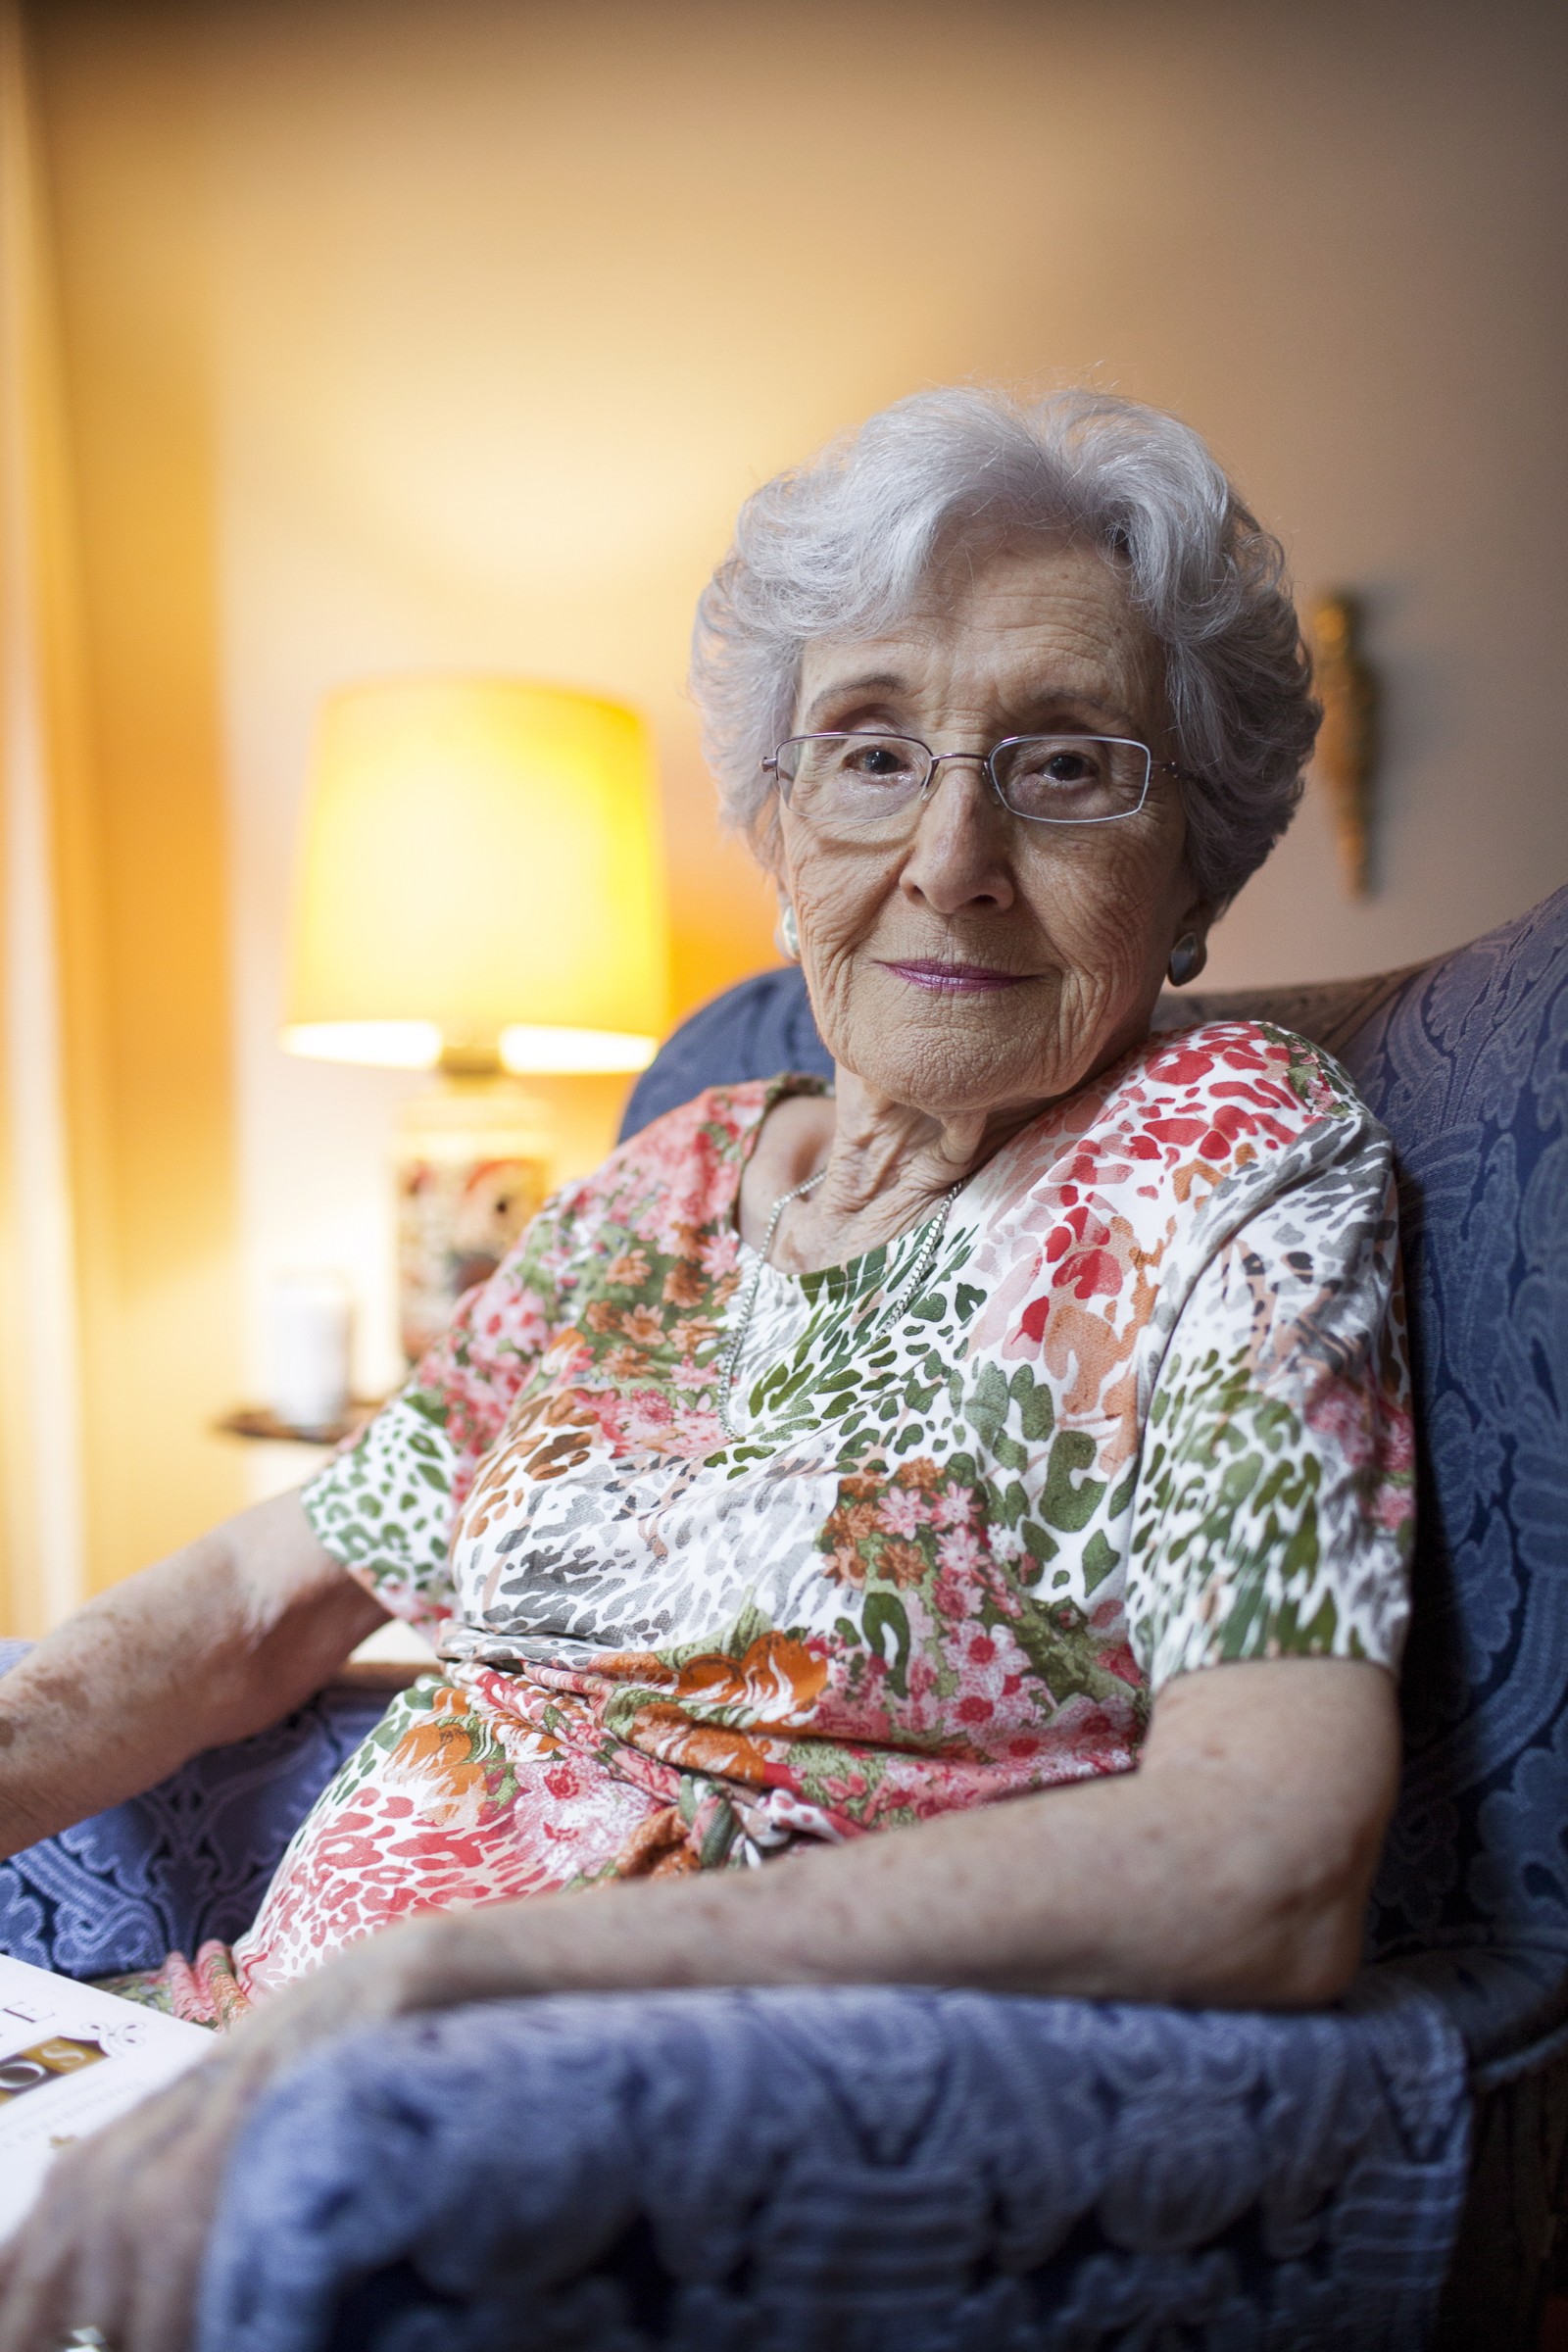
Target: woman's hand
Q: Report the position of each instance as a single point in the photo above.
(118, 2234)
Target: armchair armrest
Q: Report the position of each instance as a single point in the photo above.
(912, 2167)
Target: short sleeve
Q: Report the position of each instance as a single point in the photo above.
(1274, 1509)
(386, 1506)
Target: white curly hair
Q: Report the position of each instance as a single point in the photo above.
(840, 548)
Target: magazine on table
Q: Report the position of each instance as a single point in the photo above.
(73, 2059)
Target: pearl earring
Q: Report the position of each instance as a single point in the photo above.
(1187, 959)
(789, 931)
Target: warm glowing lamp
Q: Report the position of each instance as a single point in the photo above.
(479, 891)
(480, 884)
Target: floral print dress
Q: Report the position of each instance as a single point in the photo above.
(1148, 1414)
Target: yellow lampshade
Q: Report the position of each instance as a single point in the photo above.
(479, 880)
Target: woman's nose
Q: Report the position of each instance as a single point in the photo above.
(960, 854)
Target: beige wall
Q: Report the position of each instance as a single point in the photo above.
(511, 305)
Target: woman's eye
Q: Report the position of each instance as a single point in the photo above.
(1069, 767)
(876, 760)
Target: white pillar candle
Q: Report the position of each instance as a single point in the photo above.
(308, 1330)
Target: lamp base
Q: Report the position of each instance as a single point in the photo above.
(474, 1161)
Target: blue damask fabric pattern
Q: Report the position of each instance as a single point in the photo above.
(1468, 1069)
(851, 2171)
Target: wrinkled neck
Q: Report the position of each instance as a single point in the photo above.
(885, 1169)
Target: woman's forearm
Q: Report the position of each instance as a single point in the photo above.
(216, 1641)
(1233, 1868)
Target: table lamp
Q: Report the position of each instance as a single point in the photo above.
(479, 891)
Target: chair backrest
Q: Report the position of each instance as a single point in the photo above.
(1466, 1060)
(1467, 1066)
(754, 1030)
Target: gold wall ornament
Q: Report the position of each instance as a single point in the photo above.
(1346, 758)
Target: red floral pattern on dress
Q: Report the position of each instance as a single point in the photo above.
(1149, 1411)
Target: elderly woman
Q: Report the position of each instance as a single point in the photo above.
(850, 1459)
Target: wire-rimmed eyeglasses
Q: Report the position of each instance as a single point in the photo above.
(866, 780)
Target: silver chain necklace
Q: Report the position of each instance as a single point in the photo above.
(908, 1290)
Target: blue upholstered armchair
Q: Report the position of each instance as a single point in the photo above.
(900, 2170)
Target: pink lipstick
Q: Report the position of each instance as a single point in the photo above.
(945, 979)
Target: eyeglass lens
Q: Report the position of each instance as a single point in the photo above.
(864, 779)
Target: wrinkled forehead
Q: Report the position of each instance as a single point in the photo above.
(998, 631)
